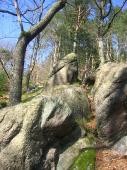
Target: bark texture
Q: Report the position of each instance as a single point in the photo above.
(16, 80)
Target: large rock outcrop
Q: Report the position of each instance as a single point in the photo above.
(32, 134)
(111, 102)
(65, 71)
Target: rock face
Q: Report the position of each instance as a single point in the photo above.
(32, 134)
(111, 102)
(65, 72)
(121, 146)
(68, 155)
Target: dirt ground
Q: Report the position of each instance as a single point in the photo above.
(106, 159)
(110, 160)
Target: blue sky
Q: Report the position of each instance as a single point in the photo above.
(9, 29)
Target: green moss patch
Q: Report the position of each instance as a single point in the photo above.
(85, 160)
(29, 96)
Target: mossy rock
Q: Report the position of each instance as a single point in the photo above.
(85, 160)
(78, 156)
(70, 57)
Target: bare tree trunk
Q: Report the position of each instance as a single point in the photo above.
(16, 82)
(20, 50)
(33, 61)
(101, 49)
(56, 54)
(103, 27)
(118, 50)
(109, 55)
(29, 73)
(107, 50)
(28, 81)
(75, 42)
(77, 26)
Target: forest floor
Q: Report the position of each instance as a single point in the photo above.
(27, 96)
(106, 159)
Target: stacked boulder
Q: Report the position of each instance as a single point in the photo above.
(110, 97)
(65, 71)
(33, 134)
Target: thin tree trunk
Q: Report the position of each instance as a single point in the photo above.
(33, 61)
(101, 49)
(28, 80)
(76, 29)
(109, 48)
(75, 42)
(28, 76)
(2, 64)
(56, 55)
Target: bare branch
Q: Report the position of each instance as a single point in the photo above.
(30, 10)
(114, 16)
(35, 3)
(28, 21)
(18, 14)
(108, 12)
(98, 6)
(2, 64)
(35, 30)
(8, 12)
(21, 13)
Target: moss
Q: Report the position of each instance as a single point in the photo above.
(85, 160)
(25, 33)
(70, 57)
(29, 96)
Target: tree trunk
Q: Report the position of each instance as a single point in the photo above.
(31, 68)
(28, 80)
(101, 49)
(20, 50)
(16, 81)
(75, 42)
(109, 54)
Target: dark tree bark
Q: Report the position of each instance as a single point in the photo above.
(20, 50)
(16, 80)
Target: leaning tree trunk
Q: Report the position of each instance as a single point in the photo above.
(20, 50)
(16, 81)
